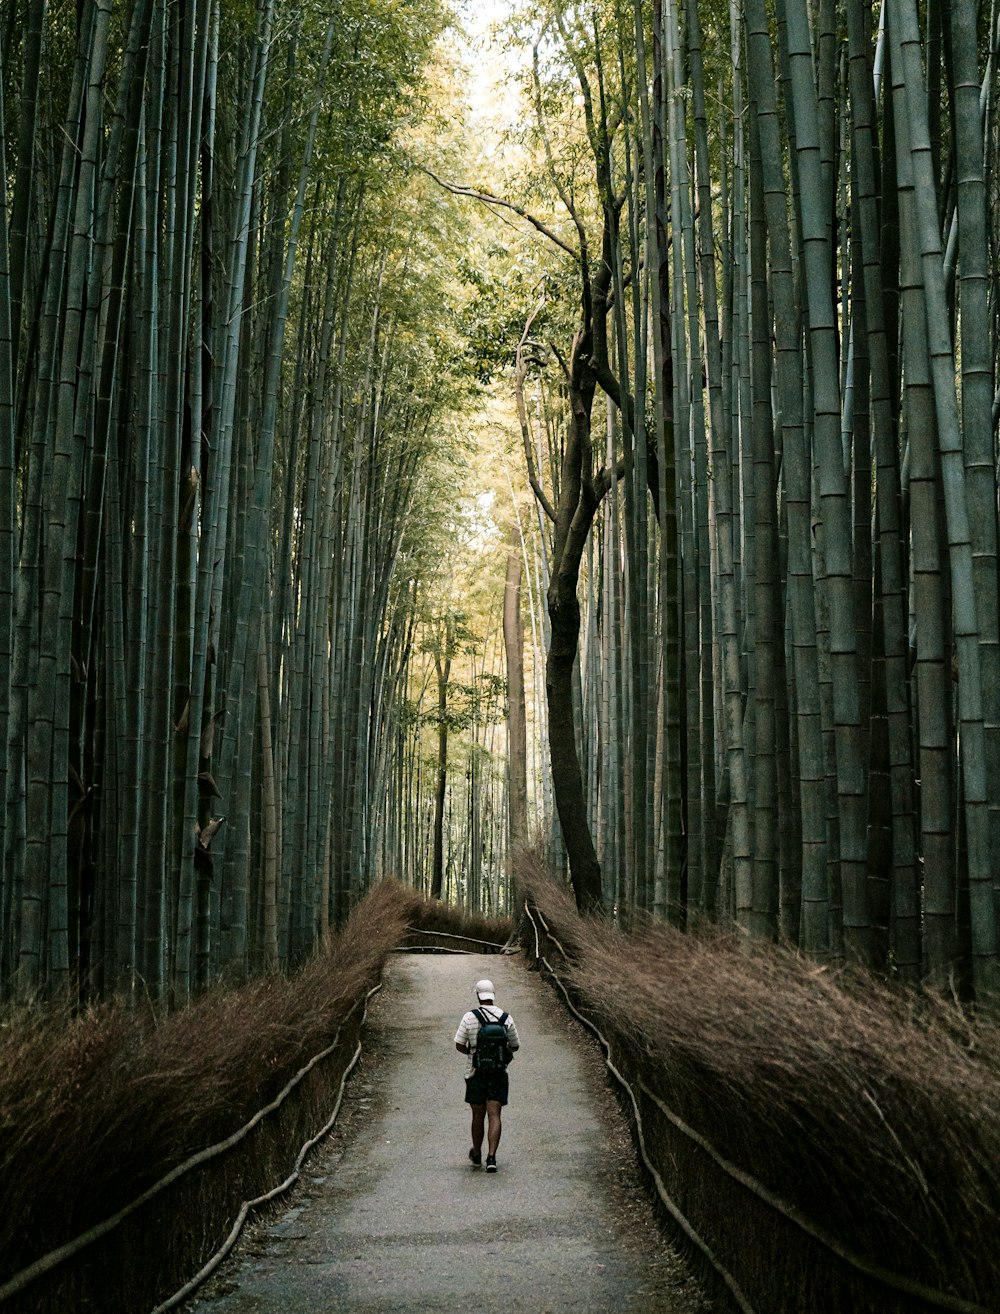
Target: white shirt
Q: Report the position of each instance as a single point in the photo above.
(468, 1030)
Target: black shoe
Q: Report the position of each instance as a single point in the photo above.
(476, 1156)
(491, 1163)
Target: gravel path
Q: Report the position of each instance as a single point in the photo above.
(394, 1218)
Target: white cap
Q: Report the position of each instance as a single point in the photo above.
(485, 991)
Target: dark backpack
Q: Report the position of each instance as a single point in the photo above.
(490, 1054)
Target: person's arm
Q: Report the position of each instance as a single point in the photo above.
(462, 1036)
(513, 1040)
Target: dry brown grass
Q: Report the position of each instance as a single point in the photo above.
(468, 928)
(96, 1108)
(874, 1112)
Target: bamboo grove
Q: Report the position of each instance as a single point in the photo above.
(219, 385)
(758, 404)
(740, 285)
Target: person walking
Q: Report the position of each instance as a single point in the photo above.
(488, 1036)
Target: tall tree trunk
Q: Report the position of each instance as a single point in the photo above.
(517, 741)
(442, 664)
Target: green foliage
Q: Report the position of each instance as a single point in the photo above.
(504, 294)
(448, 640)
(477, 702)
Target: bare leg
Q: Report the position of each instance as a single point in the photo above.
(493, 1109)
(478, 1126)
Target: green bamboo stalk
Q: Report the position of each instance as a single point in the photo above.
(763, 912)
(23, 199)
(938, 787)
(833, 491)
(978, 439)
(7, 544)
(907, 76)
(892, 565)
(815, 893)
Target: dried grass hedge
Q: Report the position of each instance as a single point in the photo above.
(95, 1109)
(437, 925)
(871, 1111)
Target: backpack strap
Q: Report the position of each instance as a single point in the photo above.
(482, 1019)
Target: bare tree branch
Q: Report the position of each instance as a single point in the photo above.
(522, 415)
(564, 196)
(487, 198)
